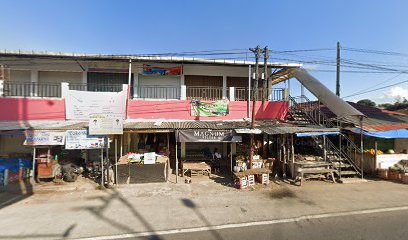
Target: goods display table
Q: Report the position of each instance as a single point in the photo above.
(307, 170)
(247, 178)
(195, 168)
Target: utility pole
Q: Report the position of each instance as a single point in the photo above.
(338, 70)
(265, 79)
(257, 52)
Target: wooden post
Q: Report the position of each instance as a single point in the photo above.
(116, 160)
(293, 157)
(33, 168)
(102, 178)
(177, 166)
(284, 156)
(231, 155)
(168, 156)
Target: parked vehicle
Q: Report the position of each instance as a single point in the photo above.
(71, 171)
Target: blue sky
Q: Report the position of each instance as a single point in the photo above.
(132, 27)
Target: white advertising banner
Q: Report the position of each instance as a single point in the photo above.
(81, 105)
(105, 125)
(79, 139)
(44, 138)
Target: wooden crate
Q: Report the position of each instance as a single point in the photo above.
(241, 182)
(251, 180)
(263, 178)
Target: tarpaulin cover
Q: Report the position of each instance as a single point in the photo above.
(312, 134)
(399, 133)
(207, 135)
(14, 164)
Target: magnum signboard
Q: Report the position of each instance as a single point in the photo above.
(207, 135)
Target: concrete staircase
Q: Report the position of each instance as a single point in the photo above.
(302, 111)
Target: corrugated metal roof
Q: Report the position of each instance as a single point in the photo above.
(136, 58)
(187, 125)
(42, 125)
(269, 127)
(274, 130)
(376, 120)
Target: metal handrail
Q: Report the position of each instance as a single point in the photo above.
(157, 92)
(31, 89)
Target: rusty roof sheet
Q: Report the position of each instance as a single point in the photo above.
(42, 125)
(377, 119)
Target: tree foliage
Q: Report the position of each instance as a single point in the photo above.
(367, 102)
(399, 105)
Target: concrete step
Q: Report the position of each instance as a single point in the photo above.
(343, 165)
(348, 173)
(351, 180)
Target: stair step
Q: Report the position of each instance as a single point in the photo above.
(343, 165)
(352, 180)
(344, 173)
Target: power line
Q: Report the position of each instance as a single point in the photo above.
(379, 84)
(374, 51)
(373, 90)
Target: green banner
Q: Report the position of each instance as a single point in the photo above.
(209, 108)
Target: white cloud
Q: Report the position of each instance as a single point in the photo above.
(392, 95)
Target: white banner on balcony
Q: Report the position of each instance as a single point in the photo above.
(82, 105)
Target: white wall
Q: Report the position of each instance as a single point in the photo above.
(20, 75)
(208, 70)
(58, 77)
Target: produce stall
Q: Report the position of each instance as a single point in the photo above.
(147, 158)
(382, 156)
(203, 164)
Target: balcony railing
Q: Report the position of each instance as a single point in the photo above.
(277, 94)
(204, 93)
(157, 92)
(31, 89)
(95, 87)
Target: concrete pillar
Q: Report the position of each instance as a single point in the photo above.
(183, 149)
(136, 85)
(182, 80)
(1, 88)
(224, 86)
(231, 93)
(225, 149)
(183, 92)
(234, 148)
(85, 79)
(64, 89)
(34, 79)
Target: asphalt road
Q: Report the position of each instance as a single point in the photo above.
(383, 225)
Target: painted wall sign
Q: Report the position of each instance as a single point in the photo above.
(149, 70)
(105, 125)
(207, 135)
(42, 138)
(79, 139)
(209, 108)
(81, 105)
